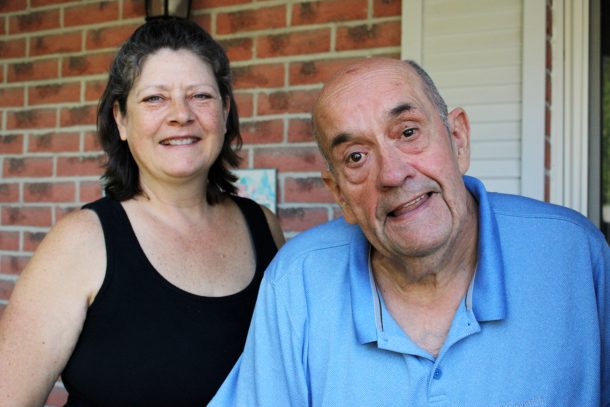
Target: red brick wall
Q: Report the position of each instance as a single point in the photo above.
(54, 55)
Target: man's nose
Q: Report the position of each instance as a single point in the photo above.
(394, 166)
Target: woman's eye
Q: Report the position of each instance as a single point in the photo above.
(153, 98)
(201, 96)
(408, 132)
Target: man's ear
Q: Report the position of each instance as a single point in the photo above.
(459, 126)
(120, 120)
(330, 182)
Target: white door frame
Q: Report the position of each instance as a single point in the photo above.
(570, 104)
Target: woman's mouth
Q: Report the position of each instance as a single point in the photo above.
(179, 141)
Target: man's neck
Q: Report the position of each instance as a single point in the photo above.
(423, 293)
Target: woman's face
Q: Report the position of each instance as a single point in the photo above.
(175, 119)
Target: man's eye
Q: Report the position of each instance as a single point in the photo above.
(355, 157)
(408, 132)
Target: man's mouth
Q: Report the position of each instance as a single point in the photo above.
(179, 141)
(411, 205)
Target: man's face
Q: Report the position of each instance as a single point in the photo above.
(396, 169)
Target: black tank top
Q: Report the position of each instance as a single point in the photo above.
(145, 342)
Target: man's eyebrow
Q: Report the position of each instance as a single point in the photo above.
(400, 109)
(339, 139)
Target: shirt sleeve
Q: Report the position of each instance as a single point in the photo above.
(603, 304)
(271, 369)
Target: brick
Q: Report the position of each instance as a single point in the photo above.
(61, 211)
(31, 119)
(387, 8)
(79, 166)
(299, 130)
(204, 21)
(294, 43)
(207, 4)
(251, 20)
(11, 144)
(40, 3)
(89, 191)
(109, 37)
(82, 115)
(57, 93)
(54, 142)
(9, 192)
(6, 289)
(94, 90)
(245, 104)
(91, 142)
(308, 189)
(258, 132)
(33, 71)
(57, 397)
(313, 72)
(337, 212)
(368, 36)
(238, 49)
(36, 21)
(13, 265)
(289, 158)
(56, 43)
(92, 13)
(259, 76)
(12, 97)
(296, 101)
(31, 240)
(26, 216)
(87, 64)
(134, 9)
(12, 48)
(49, 192)
(9, 240)
(325, 11)
(28, 167)
(7, 6)
(299, 219)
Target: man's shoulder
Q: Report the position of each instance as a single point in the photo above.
(317, 248)
(523, 209)
(324, 236)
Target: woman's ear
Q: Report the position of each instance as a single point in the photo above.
(459, 126)
(120, 120)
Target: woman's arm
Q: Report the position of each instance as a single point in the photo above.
(274, 226)
(47, 309)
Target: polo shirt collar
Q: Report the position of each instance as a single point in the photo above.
(488, 291)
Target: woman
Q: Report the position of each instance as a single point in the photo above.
(144, 297)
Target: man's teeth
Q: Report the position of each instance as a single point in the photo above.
(408, 205)
(414, 202)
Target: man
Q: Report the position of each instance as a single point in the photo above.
(431, 291)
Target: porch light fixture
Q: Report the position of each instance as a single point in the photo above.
(168, 9)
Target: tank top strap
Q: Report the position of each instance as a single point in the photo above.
(262, 238)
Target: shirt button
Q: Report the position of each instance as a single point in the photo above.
(437, 374)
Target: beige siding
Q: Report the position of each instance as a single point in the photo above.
(473, 51)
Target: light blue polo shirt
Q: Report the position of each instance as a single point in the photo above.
(533, 329)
